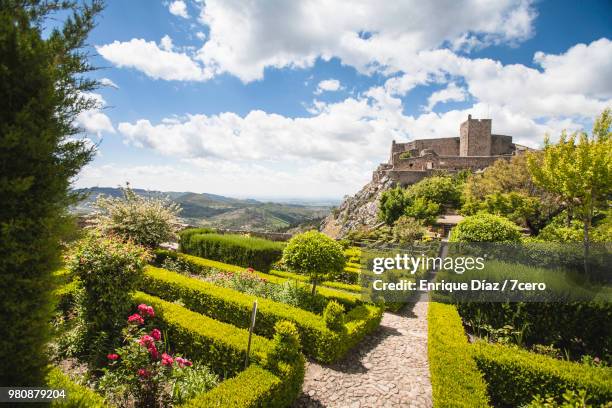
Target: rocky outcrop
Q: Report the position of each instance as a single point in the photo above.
(360, 210)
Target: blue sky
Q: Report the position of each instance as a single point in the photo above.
(277, 99)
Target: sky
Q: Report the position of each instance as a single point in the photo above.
(279, 99)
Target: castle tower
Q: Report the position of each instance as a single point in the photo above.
(475, 137)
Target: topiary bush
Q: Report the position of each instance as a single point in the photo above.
(109, 271)
(315, 254)
(286, 344)
(334, 316)
(257, 253)
(485, 227)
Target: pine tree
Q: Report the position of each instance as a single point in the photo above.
(42, 90)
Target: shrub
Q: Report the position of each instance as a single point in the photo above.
(441, 190)
(422, 209)
(142, 370)
(391, 205)
(485, 227)
(514, 376)
(109, 271)
(455, 379)
(240, 250)
(334, 316)
(406, 230)
(77, 396)
(234, 307)
(147, 221)
(285, 344)
(315, 254)
(42, 86)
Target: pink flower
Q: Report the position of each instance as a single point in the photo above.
(156, 334)
(249, 269)
(136, 319)
(150, 311)
(182, 362)
(146, 310)
(146, 340)
(167, 360)
(143, 373)
(153, 351)
(112, 357)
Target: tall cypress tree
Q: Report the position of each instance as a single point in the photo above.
(42, 85)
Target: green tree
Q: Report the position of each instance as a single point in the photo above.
(147, 221)
(42, 85)
(441, 190)
(406, 230)
(422, 209)
(315, 254)
(578, 170)
(485, 227)
(392, 204)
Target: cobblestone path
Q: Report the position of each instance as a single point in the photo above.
(389, 368)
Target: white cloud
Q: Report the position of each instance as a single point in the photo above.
(166, 43)
(178, 8)
(108, 82)
(328, 85)
(451, 93)
(154, 61)
(93, 121)
(200, 35)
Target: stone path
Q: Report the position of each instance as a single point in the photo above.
(389, 368)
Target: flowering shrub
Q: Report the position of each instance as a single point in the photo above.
(109, 270)
(148, 221)
(143, 372)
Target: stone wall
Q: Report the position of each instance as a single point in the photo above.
(501, 144)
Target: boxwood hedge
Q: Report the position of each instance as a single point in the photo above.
(455, 379)
(77, 396)
(234, 307)
(515, 376)
(239, 250)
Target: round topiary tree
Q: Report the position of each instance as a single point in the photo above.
(485, 227)
(315, 254)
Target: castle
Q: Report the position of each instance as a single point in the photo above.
(475, 149)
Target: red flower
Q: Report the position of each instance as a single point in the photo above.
(146, 310)
(112, 357)
(182, 362)
(156, 334)
(143, 373)
(250, 270)
(150, 311)
(146, 340)
(167, 360)
(136, 319)
(153, 351)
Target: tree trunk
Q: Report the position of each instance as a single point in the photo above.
(314, 286)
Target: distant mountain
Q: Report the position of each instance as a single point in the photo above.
(222, 212)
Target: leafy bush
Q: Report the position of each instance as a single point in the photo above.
(392, 204)
(406, 230)
(285, 344)
(517, 207)
(77, 396)
(142, 371)
(422, 209)
(109, 270)
(334, 316)
(571, 399)
(514, 376)
(455, 379)
(147, 221)
(315, 254)
(240, 250)
(234, 307)
(485, 227)
(441, 190)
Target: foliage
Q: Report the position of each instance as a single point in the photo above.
(406, 230)
(441, 190)
(571, 399)
(334, 316)
(560, 230)
(514, 376)
(515, 206)
(235, 308)
(315, 254)
(77, 396)
(240, 250)
(109, 270)
(285, 344)
(147, 221)
(422, 209)
(455, 379)
(392, 204)
(43, 88)
(578, 170)
(141, 370)
(485, 227)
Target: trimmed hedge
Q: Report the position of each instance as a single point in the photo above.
(220, 345)
(77, 396)
(223, 347)
(515, 376)
(239, 250)
(203, 266)
(234, 307)
(455, 379)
